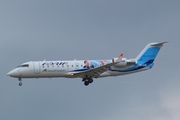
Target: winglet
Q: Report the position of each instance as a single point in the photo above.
(120, 57)
(121, 54)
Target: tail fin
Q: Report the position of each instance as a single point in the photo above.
(149, 53)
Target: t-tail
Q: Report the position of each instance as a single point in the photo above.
(148, 55)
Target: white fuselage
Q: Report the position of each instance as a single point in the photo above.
(49, 69)
(88, 69)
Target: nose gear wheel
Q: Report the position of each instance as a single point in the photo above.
(20, 82)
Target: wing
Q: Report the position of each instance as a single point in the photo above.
(95, 72)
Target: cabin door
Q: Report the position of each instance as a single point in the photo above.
(36, 67)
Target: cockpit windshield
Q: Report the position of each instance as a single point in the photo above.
(25, 65)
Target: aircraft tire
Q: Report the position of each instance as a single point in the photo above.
(84, 79)
(20, 84)
(91, 80)
(86, 83)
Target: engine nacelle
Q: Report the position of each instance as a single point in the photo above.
(124, 62)
(121, 64)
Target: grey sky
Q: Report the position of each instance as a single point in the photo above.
(96, 29)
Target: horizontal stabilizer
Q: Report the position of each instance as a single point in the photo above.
(159, 44)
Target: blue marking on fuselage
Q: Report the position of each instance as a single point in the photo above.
(80, 70)
(148, 64)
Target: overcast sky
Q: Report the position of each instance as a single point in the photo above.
(95, 29)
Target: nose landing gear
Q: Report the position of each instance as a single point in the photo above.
(20, 82)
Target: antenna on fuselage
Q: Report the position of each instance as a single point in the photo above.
(75, 59)
(44, 59)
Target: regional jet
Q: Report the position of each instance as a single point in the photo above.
(87, 70)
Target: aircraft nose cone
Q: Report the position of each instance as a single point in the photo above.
(10, 73)
(13, 73)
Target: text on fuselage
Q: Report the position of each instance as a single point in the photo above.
(54, 63)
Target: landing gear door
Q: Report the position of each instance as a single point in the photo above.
(36, 66)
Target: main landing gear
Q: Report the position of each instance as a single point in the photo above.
(87, 80)
(20, 82)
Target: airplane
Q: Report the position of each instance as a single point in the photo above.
(87, 70)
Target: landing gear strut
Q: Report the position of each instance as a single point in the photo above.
(20, 82)
(87, 80)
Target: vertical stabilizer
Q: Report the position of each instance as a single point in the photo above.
(148, 54)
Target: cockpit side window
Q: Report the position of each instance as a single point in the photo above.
(25, 65)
